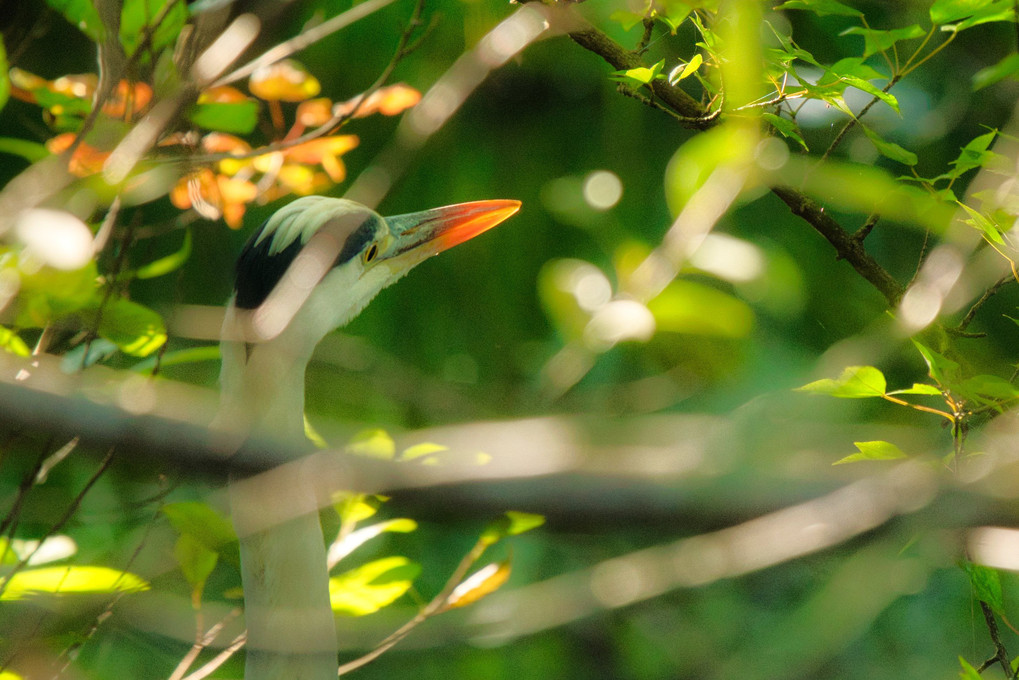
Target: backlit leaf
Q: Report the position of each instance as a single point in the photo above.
(196, 563)
(71, 581)
(944, 371)
(372, 586)
(876, 450)
(697, 309)
(1007, 67)
(204, 525)
(136, 329)
(483, 582)
(167, 263)
(919, 388)
(945, 11)
(372, 444)
(287, 80)
(236, 117)
(856, 382)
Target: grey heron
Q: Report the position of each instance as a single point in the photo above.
(311, 268)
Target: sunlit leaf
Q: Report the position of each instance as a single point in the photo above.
(976, 154)
(685, 70)
(876, 450)
(372, 444)
(694, 308)
(355, 507)
(71, 580)
(856, 382)
(919, 388)
(12, 342)
(1005, 68)
(481, 583)
(5, 81)
(372, 586)
(641, 75)
(355, 539)
(990, 229)
(821, 7)
(136, 329)
(423, 450)
(968, 672)
(945, 11)
(875, 41)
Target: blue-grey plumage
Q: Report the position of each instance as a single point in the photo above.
(310, 268)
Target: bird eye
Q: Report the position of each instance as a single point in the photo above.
(371, 253)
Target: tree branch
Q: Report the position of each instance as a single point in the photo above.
(693, 116)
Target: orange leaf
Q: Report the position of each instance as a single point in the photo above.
(388, 101)
(285, 80)
(314, 151)
(221, 142)
(86, 160)
(314, 112)
(127, 100)
(483, 582)
(223, 94)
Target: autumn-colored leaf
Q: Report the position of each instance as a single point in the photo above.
(285, 80)
(127, 100)
(483, 582)
(314, 112)
(326, 152)
(221, 94)
(389, 101)
(222, 142)
(86, 160)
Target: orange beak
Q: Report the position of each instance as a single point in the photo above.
(430, 232)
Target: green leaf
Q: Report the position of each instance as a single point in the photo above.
(980, 221)
(523, 521)
(510, 524)
(976, 154)
(944, 371)
(974, 13)
(968, 672)
(642, 75)
(82, 14)
(196, 563)
(137, 16)
(5, 78)
(626, 19)
(694, 308)
(875, 41)
(239, 118)
(945, 11)
(856, 382)
(136, 329)
(168, 263)
(986, 585)
(890, 149)
(876, 450)
(30, 151)
(822, 7)
(71, 581)
(372, 586)
(686, 70)
(920, 388)
(866, 86)
(204, 525)
(989, 75)
(12, 342)
(988, 387)
(372, 444)
(424, 453)
(49, 294)
(857, 67)
(190, 355)
(786, 128)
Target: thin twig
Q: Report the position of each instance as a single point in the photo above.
(309, 37)
(988, 294)
(992, 627)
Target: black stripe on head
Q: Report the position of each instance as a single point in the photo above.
(258, 272)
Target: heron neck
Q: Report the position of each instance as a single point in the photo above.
(263, 390)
